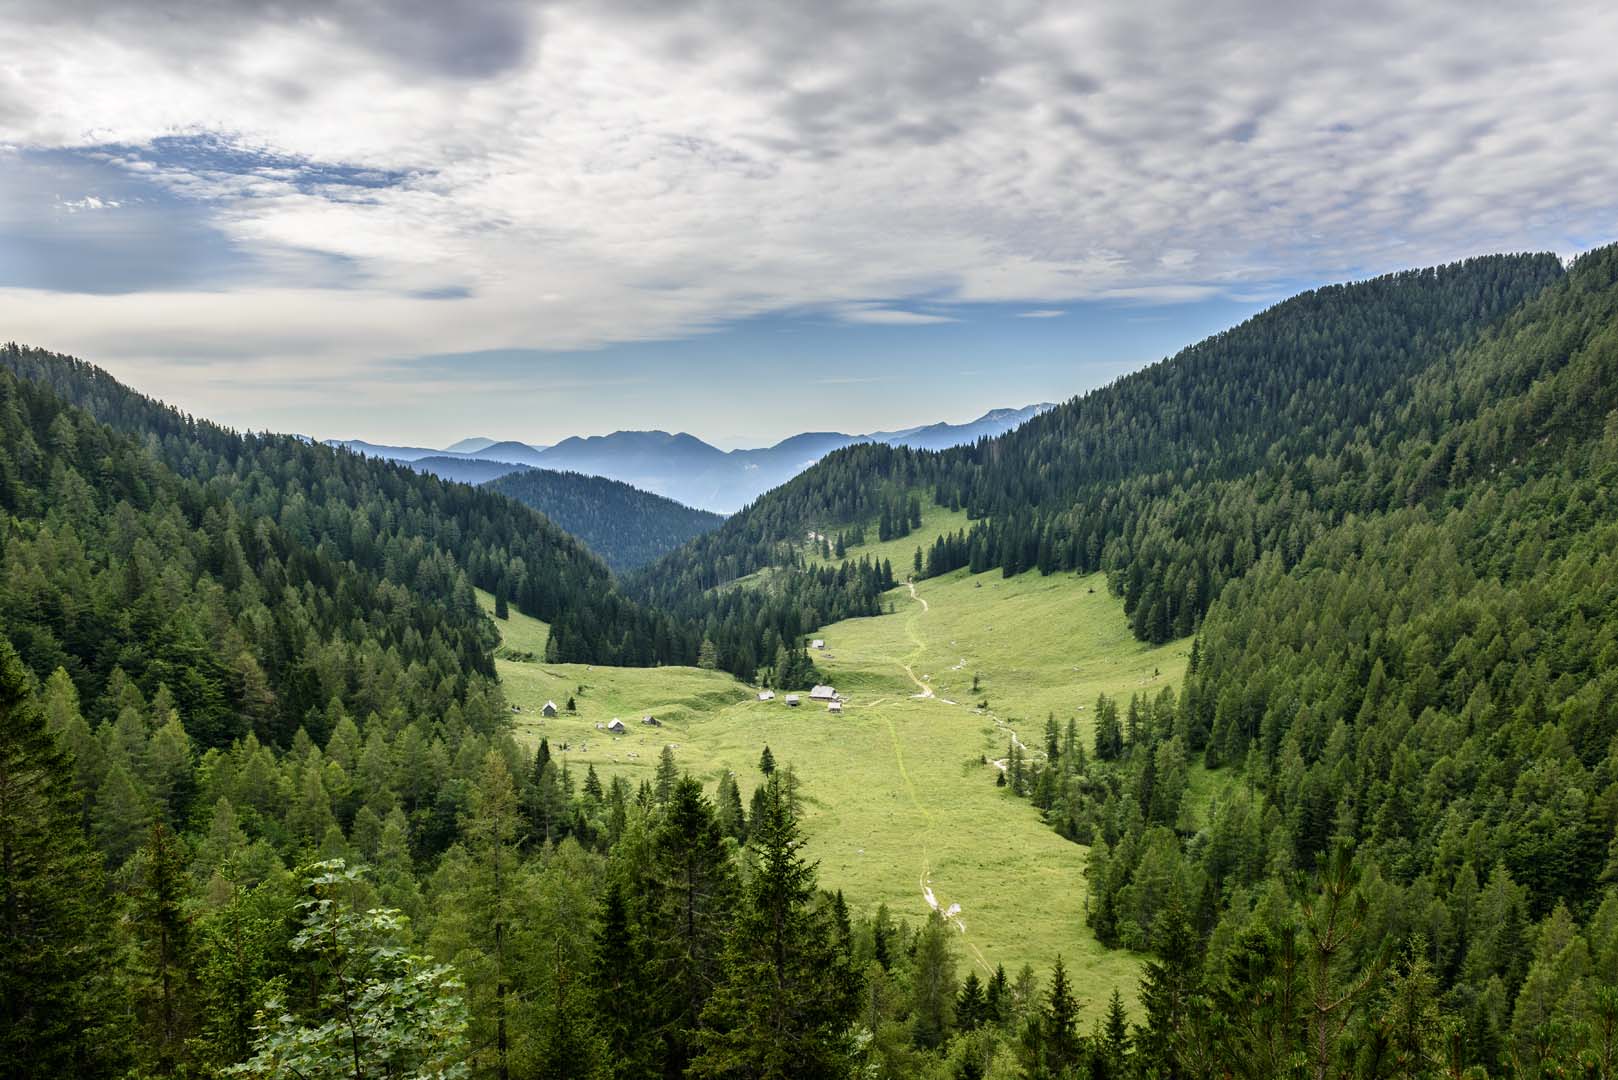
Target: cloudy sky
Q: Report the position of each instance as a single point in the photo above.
(410, 220)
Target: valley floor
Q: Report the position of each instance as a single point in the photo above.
(901, 804)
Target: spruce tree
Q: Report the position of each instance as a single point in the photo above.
(1059, 1023)
(693, 897)
(1114, 1041)
(787, 998)
(493, 830)
(996, 996)
(619, 986)
(165, 988)
(932, 978)
(971, 1005)
(766, 762)
(60, 1009)
(1167, 989)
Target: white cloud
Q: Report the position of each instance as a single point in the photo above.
(88, 202)
(883, 316)
(1042, 313)
(593, 173)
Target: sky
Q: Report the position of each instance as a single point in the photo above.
(412, 221)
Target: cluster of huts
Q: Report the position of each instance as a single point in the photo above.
(833, 700)
(614, 726)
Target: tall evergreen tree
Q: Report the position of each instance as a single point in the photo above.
(693, 898)
(493, 830)
(165, 990)
(60, 1011)
(1171, 980)
(620, 989)
(932, 984)
(787, 997)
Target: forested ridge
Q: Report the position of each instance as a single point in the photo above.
(627, 527)
(1174, 479)
(1429, 685)
(128, 578)
(413, 530)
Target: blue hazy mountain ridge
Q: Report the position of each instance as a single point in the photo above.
(680, 466)
(465, 470)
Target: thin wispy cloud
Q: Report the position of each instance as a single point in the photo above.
(853, 380)
(881, 316)
(1042, 313)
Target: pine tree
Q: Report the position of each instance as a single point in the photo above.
(881, 936)
(787, 998)
(766, 762)
(60, 1013)
(233, 945)
(122, 814)
(728, 808)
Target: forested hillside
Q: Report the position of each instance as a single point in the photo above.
(627, 527)
(412, 530)
(1427, 684)
(1174, 479)
(236, 667)
(133, 580)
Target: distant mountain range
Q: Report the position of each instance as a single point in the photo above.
(679, 466)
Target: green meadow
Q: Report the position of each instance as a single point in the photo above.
(900, 795)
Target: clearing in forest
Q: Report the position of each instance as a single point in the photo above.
(901, 806)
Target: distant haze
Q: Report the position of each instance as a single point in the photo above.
(680, 466)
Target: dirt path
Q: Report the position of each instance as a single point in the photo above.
(951, 912)
(926, 691)
(915, 639)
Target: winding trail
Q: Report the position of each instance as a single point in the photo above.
(952, 913)
(915, 639)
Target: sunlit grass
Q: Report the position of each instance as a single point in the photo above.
(898, 796)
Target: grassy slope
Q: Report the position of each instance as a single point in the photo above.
(936, 521)
(898, 797)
